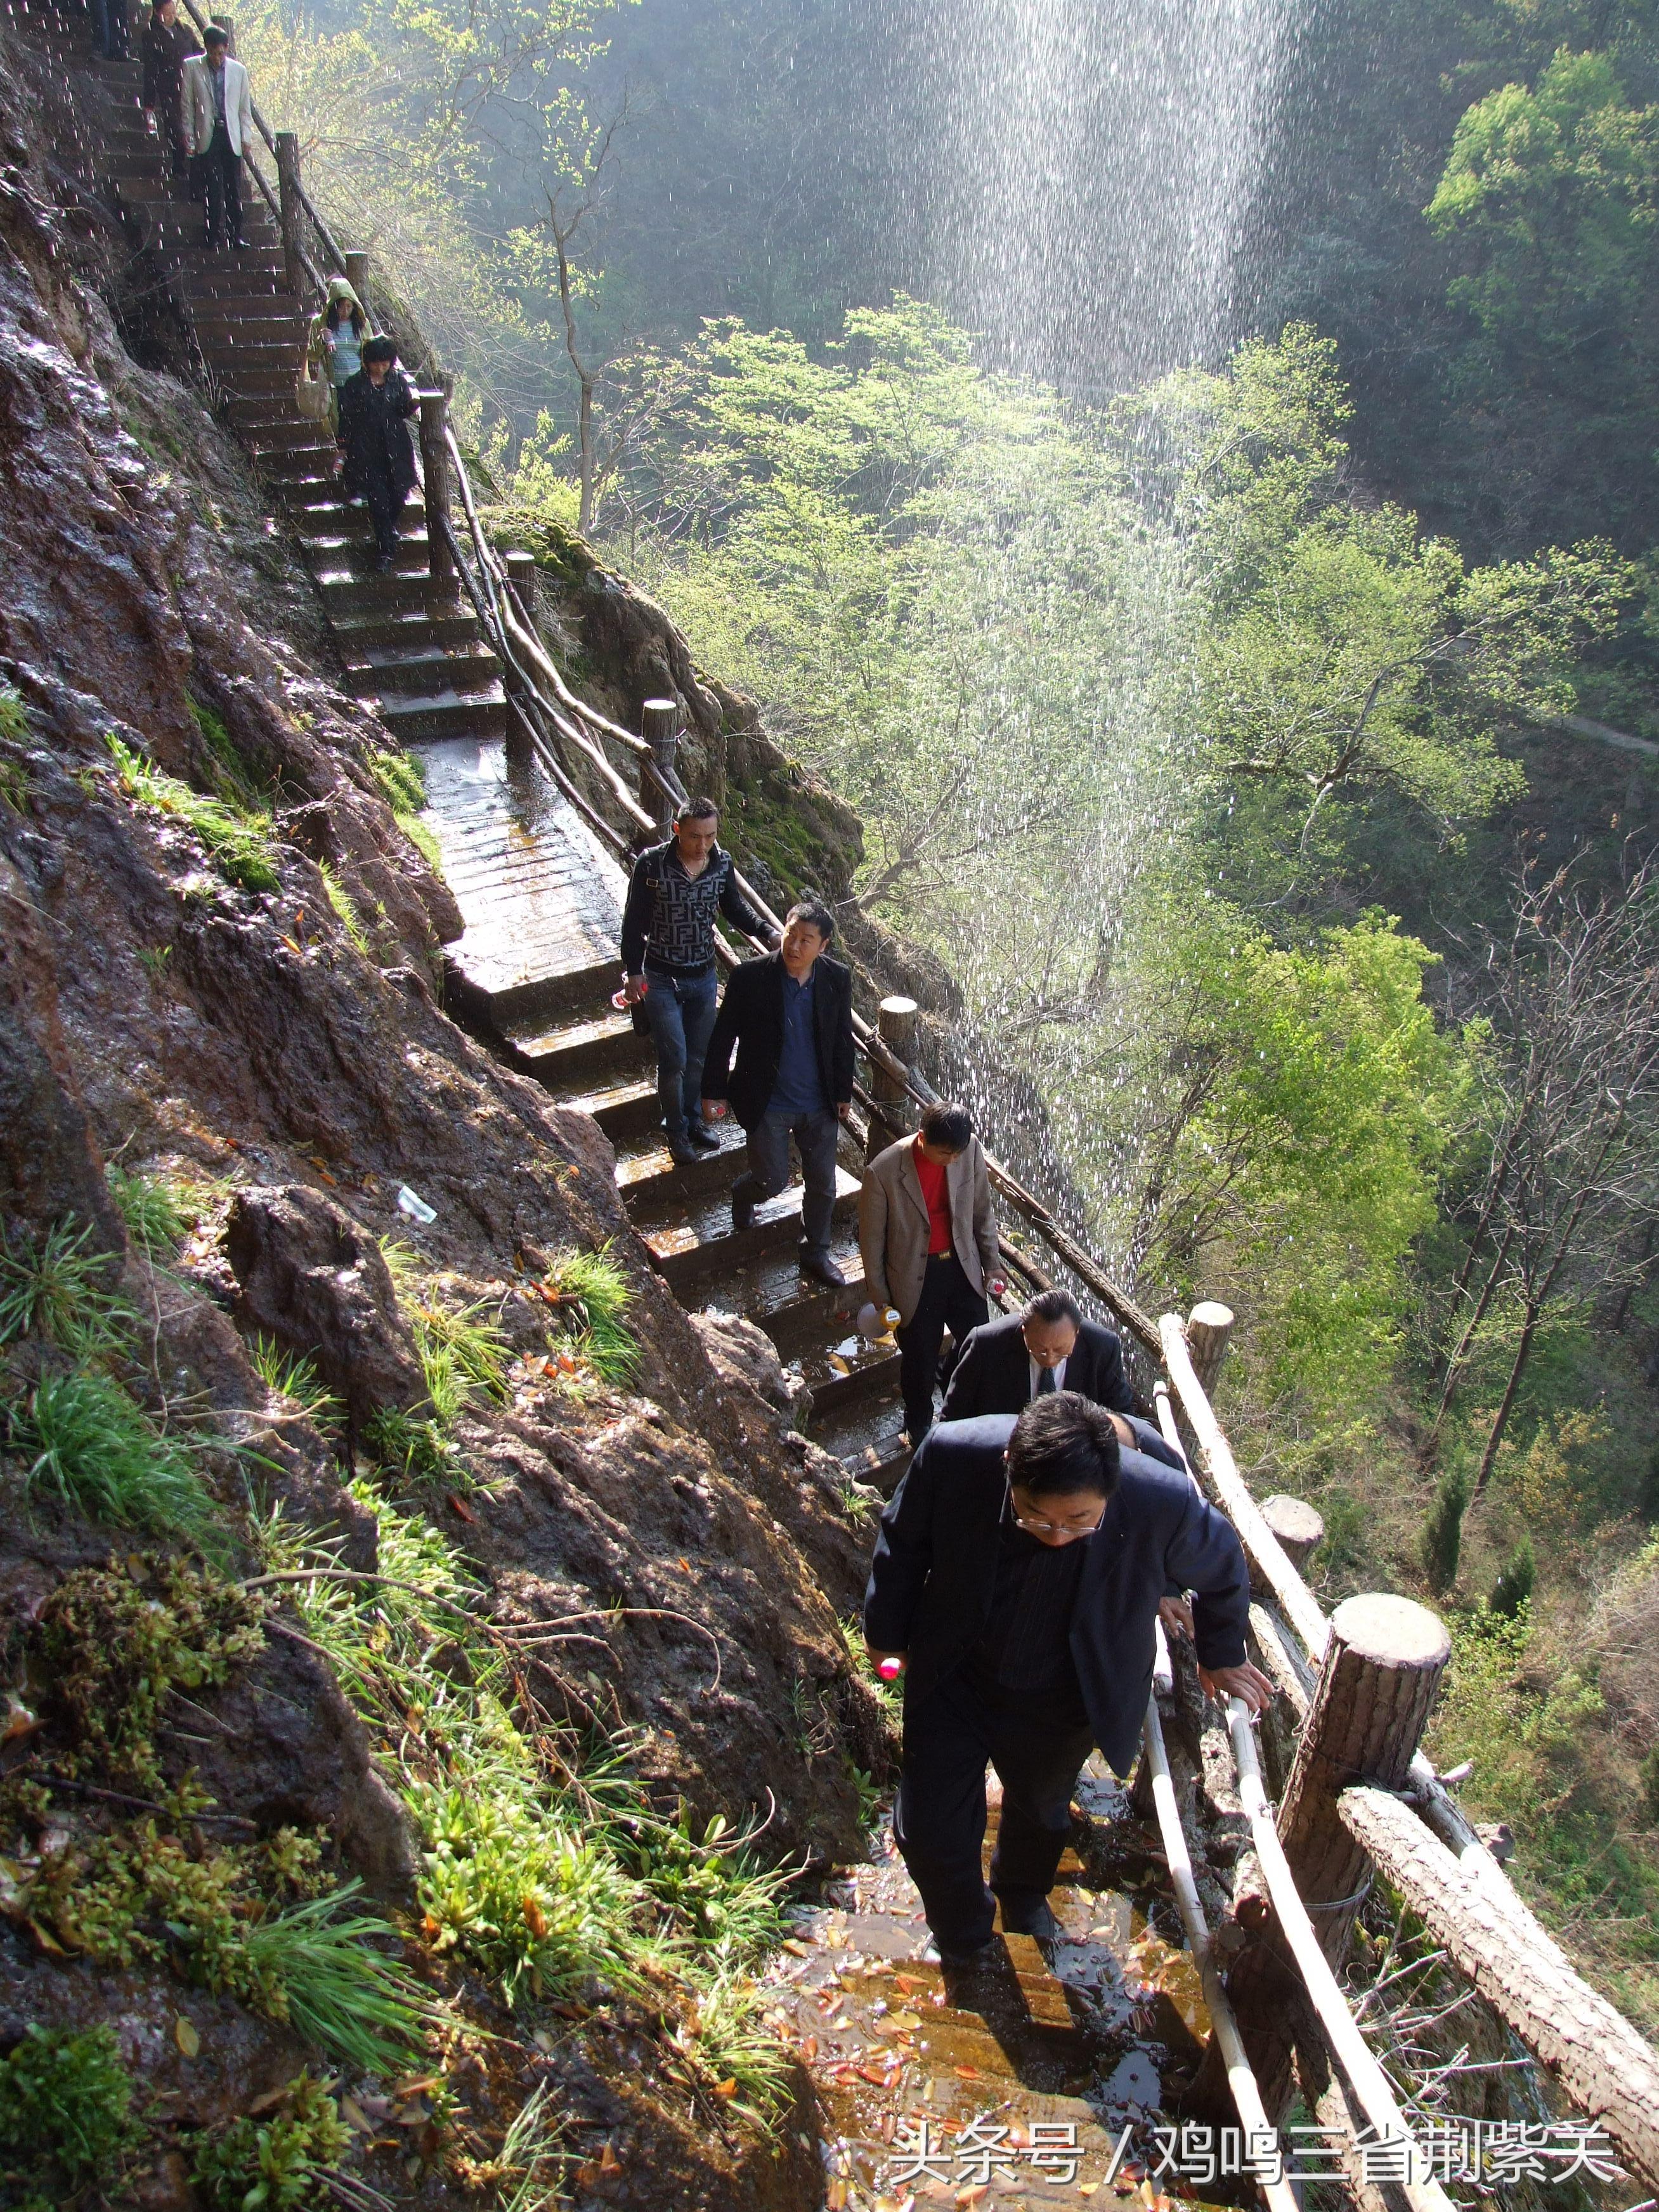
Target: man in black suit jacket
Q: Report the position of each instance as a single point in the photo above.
(1007, 1362)
(1017, 1578)
(790, 1019)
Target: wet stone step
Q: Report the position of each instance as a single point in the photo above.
(652, 1182)
(1010, 2085)
(847, 1374)
(868, 1439)
(701, 1239)
(575, 1055)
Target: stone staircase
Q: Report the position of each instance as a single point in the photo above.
(410, 647)
(541, 898)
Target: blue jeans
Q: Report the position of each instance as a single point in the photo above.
(680, 1012)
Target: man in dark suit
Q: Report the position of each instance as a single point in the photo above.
(1007, 1363)
(1016, 1576)
(790, 1019)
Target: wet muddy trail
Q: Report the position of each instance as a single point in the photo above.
(1009, 2088)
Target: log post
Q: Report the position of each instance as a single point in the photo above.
(1208, 1327)
(357, 274)
(1381, 1670)
(1376, 1688)
(522, 574)
(288, 200)
(897, 1023)
(435, 466)
(660, 725)
(227, 25)
(1299, 1528)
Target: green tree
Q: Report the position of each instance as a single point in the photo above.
(1554, 194)
(1341, 651)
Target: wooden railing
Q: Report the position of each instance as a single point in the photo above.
(1355, 1688)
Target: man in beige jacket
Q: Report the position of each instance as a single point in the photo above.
(929, 1241)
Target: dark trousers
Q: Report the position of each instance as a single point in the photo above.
(170, 125)
(221, 187)
(109, 29)
(386, 503)
(768, 1168)
(947, 1301)
(938, 1822)
(679, 1011)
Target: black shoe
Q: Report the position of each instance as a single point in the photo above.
(822, 1269)
(975, 1961)
(703, 1136)
(1037, 1920)
(742, 1213)
(683, 1152)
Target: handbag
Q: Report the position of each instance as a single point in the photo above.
(313, 395)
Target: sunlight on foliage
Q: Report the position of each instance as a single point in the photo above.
(237, 843)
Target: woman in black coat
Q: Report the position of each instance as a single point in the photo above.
(375, 404)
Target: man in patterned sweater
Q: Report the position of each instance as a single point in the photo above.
(668, 952)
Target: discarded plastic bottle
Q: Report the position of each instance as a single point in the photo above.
(415, 1207)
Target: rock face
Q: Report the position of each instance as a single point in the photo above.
(155, 1011)
(310, 1276)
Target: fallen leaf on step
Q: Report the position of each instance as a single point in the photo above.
(417, 2085)
(534, 1919)
(459, 1507)
(835, 2196)
(728, 2089)
(608, 2161)
(355, 2116)
(801, 1950)
(185, 2035)
(904, 2020)
(270, 2101)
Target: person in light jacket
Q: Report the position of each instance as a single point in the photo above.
(218, 113)
(335, 342)
(929, 1240)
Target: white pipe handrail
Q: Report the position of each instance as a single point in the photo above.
(1370, 2085)
(1240, 2077)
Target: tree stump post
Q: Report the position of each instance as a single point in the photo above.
(287, 201)
(660, 725)
(1299, 1528)
(435, 468)
(1377, 1686)
(1209, 1326)
(522, 574)
(357, 274)
(897, 1022)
